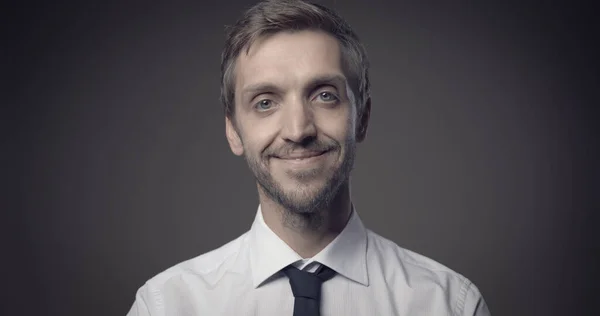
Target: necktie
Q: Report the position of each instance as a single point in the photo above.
(306, 287)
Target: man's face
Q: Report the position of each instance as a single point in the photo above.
(295, 118)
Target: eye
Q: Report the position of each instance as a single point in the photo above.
(326, 96)
(264, 105)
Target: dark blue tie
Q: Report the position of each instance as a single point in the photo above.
(306, 287)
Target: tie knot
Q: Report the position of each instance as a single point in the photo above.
(306, 284)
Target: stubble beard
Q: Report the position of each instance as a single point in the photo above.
(304, 205)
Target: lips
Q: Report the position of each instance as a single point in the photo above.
(301, 155)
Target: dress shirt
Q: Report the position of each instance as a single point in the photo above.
(374, 277)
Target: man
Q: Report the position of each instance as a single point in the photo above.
(296, 94)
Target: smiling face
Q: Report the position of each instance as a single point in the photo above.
(295, 118)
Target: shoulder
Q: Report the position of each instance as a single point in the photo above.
(422, 276)
(415, 264)
(174, 290)
(208, 266)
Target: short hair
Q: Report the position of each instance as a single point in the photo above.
(273, 16)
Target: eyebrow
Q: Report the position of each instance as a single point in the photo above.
(260, 88)
(327, 80)
(317, 81)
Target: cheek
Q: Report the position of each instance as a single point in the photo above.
(258, 136)
(338, 125)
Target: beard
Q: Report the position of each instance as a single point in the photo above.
(305, 198)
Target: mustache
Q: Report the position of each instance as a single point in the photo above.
(289, 148)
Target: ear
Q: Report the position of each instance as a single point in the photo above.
(363, 122)
(233, 137)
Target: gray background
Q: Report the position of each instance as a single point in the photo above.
(481, 152)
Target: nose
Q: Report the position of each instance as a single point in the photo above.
(298, 123)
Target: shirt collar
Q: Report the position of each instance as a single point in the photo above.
(346, 254)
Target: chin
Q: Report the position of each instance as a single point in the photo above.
(308, 199)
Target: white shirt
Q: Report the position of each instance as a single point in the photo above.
(374, 277)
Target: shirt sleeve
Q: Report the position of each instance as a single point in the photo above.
(139, 307)
(474, 304)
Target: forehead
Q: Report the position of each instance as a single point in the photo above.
(289, 58)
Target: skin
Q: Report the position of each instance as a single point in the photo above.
(296, 124)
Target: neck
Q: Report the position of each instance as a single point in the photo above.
(308, 234)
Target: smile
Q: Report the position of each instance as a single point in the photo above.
(303, 157)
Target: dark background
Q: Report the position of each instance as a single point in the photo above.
(481, 153)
